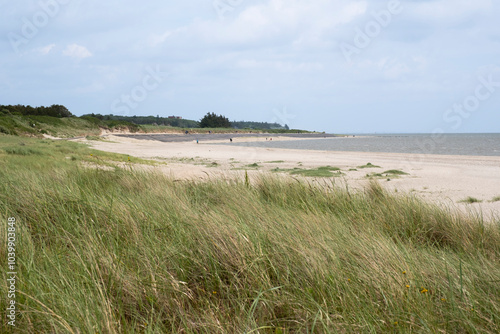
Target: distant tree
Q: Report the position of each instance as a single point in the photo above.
(211, 120)
(58, 110)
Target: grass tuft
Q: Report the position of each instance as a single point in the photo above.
(325, 171)
(368, 165)
(470, 200)
(394, 172)
(22, 150)
(95, 138)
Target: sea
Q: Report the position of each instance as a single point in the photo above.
(477, 144)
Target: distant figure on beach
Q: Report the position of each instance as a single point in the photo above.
(231, 140)
(186, 132)
(209, 132)
(196, 141)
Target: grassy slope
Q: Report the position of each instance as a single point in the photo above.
(113, 251)
(78, 126)
(38, 125)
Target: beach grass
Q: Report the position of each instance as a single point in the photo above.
(369, 165)
(95, 138)
(129, 251)
(324, 171)
(495, 199)
(254, 165)
(470, 200)
(394, 172)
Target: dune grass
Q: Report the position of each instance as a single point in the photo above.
(128, 251)
(369, 165)
(39, 125)
(324, 171)
(495, 199)
(254, 165)
(470, 200)
(394, 172)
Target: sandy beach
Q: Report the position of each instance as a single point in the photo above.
(443, 179)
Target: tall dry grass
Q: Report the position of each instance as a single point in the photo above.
(124, 251)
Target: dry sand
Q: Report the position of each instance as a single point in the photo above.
(444, 179)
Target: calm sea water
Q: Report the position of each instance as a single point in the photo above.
(455, 144)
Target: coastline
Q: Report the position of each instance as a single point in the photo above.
(444, 179)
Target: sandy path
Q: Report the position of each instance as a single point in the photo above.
(439, 178)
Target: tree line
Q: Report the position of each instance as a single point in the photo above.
(55, 110)
(210, 120)
(148, 120)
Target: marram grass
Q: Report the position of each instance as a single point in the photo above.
(125, 251)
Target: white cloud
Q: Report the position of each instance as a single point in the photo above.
(45, 50)
(297, 22)
(447, 10)
(281, 66)
(77, 51)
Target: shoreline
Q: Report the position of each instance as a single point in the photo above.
(445, 179)
(224, 137)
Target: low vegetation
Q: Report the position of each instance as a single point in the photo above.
(496, 199)
(471, 200)
(368, 165)
(37, 126)
(15, 123)
(325, 171)
(394, 172)
(122, 250)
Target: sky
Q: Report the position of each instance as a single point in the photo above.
(373, 66)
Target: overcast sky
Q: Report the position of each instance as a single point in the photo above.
(328, 65)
